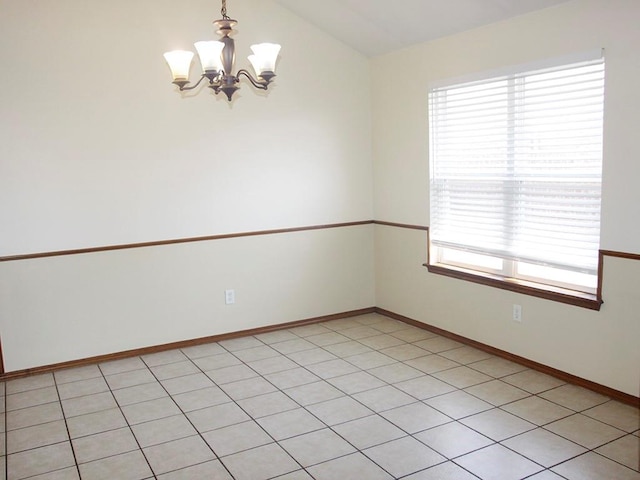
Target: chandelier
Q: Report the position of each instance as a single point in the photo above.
(218, 57)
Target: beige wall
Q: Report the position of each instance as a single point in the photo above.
(97, 148)
(600, 346)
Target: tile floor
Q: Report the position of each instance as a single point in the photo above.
(362, 398)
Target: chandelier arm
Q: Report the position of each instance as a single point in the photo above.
(256, 83)
(183, 86)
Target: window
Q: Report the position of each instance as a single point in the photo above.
(515, 175)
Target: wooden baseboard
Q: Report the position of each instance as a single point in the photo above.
(567, 377)
(182, 344)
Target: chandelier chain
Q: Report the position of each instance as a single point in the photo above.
(224, 10)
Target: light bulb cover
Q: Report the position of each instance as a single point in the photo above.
(180, 63)
(264, 57)
(209, 53)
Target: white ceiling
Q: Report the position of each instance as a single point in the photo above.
(374, 27)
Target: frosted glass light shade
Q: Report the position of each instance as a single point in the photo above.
(209, 53)
(180, 63)
(264, 57)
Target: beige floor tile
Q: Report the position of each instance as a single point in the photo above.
(498, 463)
(251, 387)
(30, 398)
(537, 410)
(276, 337)
(102, 445)
(292, 378)
(88, 404)
(497, 424)
(69, 473)
(178, 454)
(329, 338)
(544, 447)
(151, 410)
(297, 475)
(267, 404)
(308, 330)
(592, 466)
(368, 431)
(339, 410)
(497, 392)
(236, 438)
(616, 414)
(356, 382)
(33, 382)
(290, 424)
(127, 466)
(208, 470)
(332, 368)
(359, 331)
(40, 460)
(27, 417)
(625, 450)
(164, 358)
(348, 349)
(256, 353)
(175, 369)
(458, 404)
(292, 346)
(217, 416)
(545, 475)
(82, 388)
(312, 356)
(413, 334)
(261, 463)
(432, 363)
(130, 379)
(240, 343)
(369, 360)
(532, 381)
(313, 393)
(497, 367)
(415, 417)
(466, 355)
(403, 456)
(122, 365)
(140, 393)
(272, 365)
(96, 423)
(204, 350)
(574, 397)
(425, 387)
(585, 431)
(444, 471)
(405, 351)
(351, 467)
(438, 344)
(187, 383)
(379, 342)
(316, 447)
(214, 362)
(387, 325)
(342, 324)
(203, 398)
(453, 439)
(231, 374)
(396, 372)
(384, 398)
(163, 430)
(462, 377)
(36, 436)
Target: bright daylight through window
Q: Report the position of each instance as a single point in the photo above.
(516, 167)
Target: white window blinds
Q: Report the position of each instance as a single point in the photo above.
(516, 165)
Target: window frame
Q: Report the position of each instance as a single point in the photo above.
(507, 277)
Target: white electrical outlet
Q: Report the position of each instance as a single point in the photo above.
(517, 313)
(229, 297)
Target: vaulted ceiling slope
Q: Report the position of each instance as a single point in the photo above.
(375, 27)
